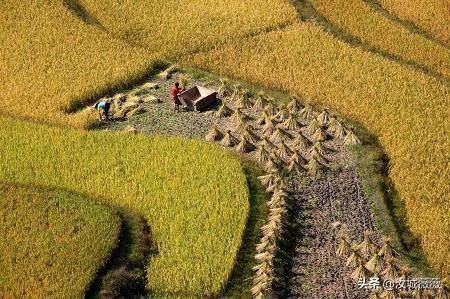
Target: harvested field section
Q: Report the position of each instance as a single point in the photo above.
(314, 270)
(197, 211)
(406, 109)
(52, 243)
(172, 28)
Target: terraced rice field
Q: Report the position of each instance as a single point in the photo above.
(52, 242)
(404, 108)
(431, 16)
(169, 187)
(362, 21)
(58, 57)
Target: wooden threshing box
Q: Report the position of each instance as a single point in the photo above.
(197, 98)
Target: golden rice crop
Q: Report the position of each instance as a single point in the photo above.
(179, 27)
(406, 109)
(196, 208)
(360, 20)
(432, 16)
(52, 243)
(51, 60)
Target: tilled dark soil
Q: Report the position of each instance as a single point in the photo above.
(307, 266)
(311, 268)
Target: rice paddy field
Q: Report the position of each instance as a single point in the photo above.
(362, 21)
(405, 109)
(59, 57)
(52, 242)
(431, 16)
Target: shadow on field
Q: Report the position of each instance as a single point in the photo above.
(125, 273)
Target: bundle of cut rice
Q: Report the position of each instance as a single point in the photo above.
(228, 140)
(214, 133)
(260, 102)
(166, 74)
(323, 118)
(351, 138)
(294, 105)
(224, 110)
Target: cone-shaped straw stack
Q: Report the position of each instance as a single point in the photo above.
(244, 146)
(315, 167)
(262, 155)
(291, 124)
(351, 138)
(270, 109)
(224, 110)
(282, 114)
(269, 128)
(225, 88)
(214, 134)
(260, 102)
(294, 105)
(280, 135)
(283, 151)
(243, 101)
(263, 118)
(306, 112)
(228, 140)
(323, 118)
(319, 135)
(300, 142)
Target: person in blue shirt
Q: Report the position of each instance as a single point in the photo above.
(103, 109)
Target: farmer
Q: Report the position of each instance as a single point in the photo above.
(103, 109)
(174, 92)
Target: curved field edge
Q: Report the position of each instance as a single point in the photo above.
(158, 26)
(432, 15)
(364, 22)
(406, 109)
(54, 60)
(52, 242)
(196, 207)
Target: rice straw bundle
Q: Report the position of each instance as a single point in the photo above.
(262, 155)
(306, 112)
(280, 135)
(283, 151)
(228, 140)
(300, 142)
(291, 124)
(268, 128)
(225, 89)
(270, 109)
(319, 135)
(263, 118)
(260, 102)
(323, 118)
(224, 110)
(294, 105)
(315, 167)
(267, 144)
(351, 138)
(214, 133)
(312, 127)
(244, 146)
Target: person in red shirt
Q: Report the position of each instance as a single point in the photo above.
(174, 92)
